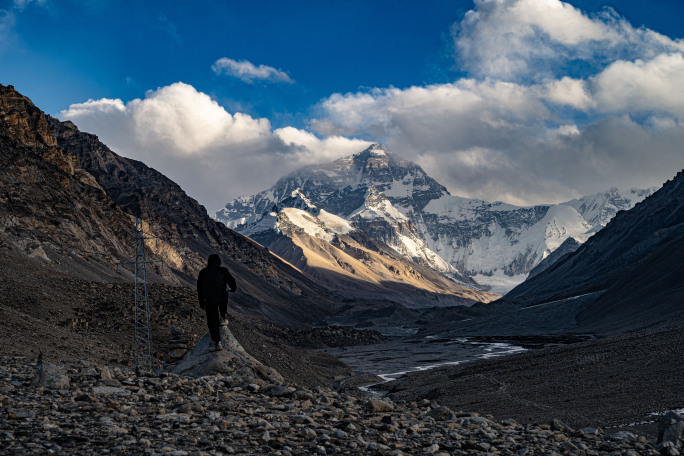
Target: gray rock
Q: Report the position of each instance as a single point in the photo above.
(477, 421)
(111, 390)
(376, 405)
(279, 391)
(623, 435)
(671, 429)
(232, 360)
(177, 353)
(51, 376)
(441, 413)
(303, 419)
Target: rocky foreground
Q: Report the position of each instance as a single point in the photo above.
(88, 409)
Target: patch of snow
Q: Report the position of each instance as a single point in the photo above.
(309, 223)
(376, 206)
(266, 223)
(499, 282)
(335, 223)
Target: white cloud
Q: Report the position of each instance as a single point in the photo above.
(642, 86)
(248, 72)
(312, 150)
(212, 154)
(517, 143)
(511, 39)
(521, 129)
(569, 92)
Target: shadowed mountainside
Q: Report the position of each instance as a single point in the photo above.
(634, 265)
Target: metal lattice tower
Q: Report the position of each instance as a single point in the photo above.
(142, 341)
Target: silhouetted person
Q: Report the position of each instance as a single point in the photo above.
(212, 284)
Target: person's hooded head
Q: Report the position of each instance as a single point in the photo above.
(214, 260)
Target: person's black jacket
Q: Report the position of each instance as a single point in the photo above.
(211, 285)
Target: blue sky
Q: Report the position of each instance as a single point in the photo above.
(525, 101)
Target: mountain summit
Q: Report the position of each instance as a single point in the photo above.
(495, 244)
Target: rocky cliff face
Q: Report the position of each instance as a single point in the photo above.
(51, 208)
(347, 259)
(490, 242)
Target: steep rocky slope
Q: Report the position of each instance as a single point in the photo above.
(359, 266)
(267, 286)
(50, 207)
(633, 266)
(68, 199)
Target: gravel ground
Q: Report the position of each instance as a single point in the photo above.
(90, 409)
(608, 383)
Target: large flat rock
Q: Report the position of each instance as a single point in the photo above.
(233, 360)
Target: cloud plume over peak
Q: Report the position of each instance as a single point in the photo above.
(524, 127)
(214, 155)
(248, 72)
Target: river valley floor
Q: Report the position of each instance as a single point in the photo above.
(614, 383)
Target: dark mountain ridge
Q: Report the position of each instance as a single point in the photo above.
(50, 207)
(633, 265)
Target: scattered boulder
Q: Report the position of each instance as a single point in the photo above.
(441, 413)
(51, 376)
(233, 360)
(178, 344)
(671, 429)
(474, 421)
(375, 405)
(354, 381)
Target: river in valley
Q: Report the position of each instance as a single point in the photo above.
(392, 359)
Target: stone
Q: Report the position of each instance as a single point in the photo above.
(51, 376)
(558, 425)
(232, 360)
(105, 373)
(339, 434)
(671, 429)
(441, 413)
(376, 405)
(279, 391)
(303, 419)
(177, 353)
(476, 421)
(111, 390)
(623, 435)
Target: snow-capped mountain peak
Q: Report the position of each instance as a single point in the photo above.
(396, 202)
(598, 209)
(378, 150)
